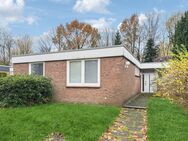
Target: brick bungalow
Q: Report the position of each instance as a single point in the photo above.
(109, 75)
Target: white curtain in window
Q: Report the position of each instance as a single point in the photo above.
(91, 71)
(37, 69)
(75, 72)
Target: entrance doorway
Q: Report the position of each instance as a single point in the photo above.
(148, 83)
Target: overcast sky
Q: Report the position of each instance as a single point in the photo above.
(35, 17)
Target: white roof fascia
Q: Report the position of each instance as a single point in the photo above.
(68, 55)
(153, 65)
(86, 54)
(130, 57)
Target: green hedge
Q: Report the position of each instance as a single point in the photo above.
(24, 90)
(3, 74)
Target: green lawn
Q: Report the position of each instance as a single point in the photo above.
(166, 121)
(78, 122)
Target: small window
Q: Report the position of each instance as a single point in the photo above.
(83, 73)
(36, 68)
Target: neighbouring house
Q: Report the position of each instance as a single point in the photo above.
(109, 75)
(5, 69)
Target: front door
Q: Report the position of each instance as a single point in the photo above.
(152, 82)
(148, 83)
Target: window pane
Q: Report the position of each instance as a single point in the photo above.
(91, 71)
(37, 69)
(75, 72)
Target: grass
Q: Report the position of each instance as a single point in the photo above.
(77, 122)
(166, 121)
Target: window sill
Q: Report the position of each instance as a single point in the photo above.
(84, 85)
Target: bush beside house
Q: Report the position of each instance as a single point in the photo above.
(24, 90)
(3, 74)
(173, 83)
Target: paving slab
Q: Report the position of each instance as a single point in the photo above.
(131, 125)
(139, 101)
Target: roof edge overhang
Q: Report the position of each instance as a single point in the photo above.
(113, 51)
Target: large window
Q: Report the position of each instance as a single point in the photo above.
(36, 68)
(83, 73)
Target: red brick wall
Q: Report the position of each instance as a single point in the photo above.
(117, 83)
(21, 68)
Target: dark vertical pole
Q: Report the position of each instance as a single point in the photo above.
(143, 82)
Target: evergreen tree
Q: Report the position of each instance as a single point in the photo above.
(118, 38)
(151, 51)
(181, 34)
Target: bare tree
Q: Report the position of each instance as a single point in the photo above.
(45, 43)
(140, 44)
(151, 26)
(107, 37)
(24, 45)
(2, 48)
(150, 29)
(9, 46)
(130, 32)
(6, 46)
(170, 26)
(166, 37)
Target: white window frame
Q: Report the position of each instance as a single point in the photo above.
(83, 84)
(37, 63)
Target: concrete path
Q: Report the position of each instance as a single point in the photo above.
(140, 101)
(129, 126)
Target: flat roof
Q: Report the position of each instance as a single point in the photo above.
(70, 50)
(98, 52)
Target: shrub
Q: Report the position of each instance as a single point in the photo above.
(3, 74)
(173, 83)
(24, 90)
